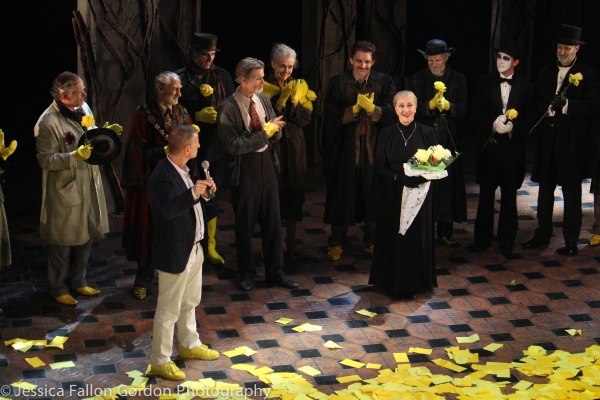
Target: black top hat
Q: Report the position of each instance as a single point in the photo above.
(106, 143)
(205, 41)
(569, 35)
(509, 47)
(435, 47)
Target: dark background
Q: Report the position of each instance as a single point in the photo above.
(37, 42)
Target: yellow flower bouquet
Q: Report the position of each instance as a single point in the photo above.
(435, 158)
(574, 80)
(206, 90)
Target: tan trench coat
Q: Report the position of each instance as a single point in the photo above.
(73, 203)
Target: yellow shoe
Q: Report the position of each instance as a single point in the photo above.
(202, 352)
(66, 299)
(213, 257)
(88, 291)
(595, 240)
(334, 253)
(370, 249)
(168, 371)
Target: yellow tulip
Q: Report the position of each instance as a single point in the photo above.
(439, 86)
(511, 114)
(87, 121)
(206, 90)
(575, 78)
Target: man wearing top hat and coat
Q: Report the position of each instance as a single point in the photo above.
(443, 114)
(501, 145)
(202, 106)
(564, 154)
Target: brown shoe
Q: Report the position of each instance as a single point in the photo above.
(334, 253)
(66, 299)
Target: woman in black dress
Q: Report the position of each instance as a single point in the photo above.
(403, 265)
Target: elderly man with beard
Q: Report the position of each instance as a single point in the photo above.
(253, 167)
(204, 86)
(564, 154)
(443, 114)
(146, 148)
(358, 104)
(501, 146)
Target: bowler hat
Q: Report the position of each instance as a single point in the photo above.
(204, 41)
(106, 145)
(569, 35)
(435, 47)
(509, 47)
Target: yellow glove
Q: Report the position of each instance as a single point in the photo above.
(167, 150)
(294, 96)
(116, 128)
(83, 152)
(7, 151)
(271, 90)
(356, 108)
(286, 91)
(366, 102)
(445, 104)
(207, 115)
(1, 140)
(435, 103)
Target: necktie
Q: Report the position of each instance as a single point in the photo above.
(509, 81)
(168, 118)
(255, 124)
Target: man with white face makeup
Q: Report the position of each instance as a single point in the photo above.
(565, 150)
(501, 146)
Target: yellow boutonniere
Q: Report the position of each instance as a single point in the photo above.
(206, 90)
(271, 128)
(196, 127)
(87, 121)
(439, 86)
(575, 78)
(511, 114)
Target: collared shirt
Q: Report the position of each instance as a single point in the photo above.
(243, 103)
(185, 175)
(505, 91)
(163, 109)
(366, 80)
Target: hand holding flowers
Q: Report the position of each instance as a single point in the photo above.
(501, 125)
(574, 80)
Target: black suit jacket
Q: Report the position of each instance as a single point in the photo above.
(508, 151)
(567, 142)
(173, 218)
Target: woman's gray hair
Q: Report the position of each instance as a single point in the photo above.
(164, 79)
(64, 83)
(404, 93)
(282, 50)
(245, 68)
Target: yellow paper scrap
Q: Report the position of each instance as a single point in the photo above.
(574, 332)
(208, 382)
(284, 321)
(366, 313)
(438, 380)
(373, 366)
(134, 374)
(308, 370)
(513, 282)
(468, 339)
(332, 345)
(168, 396)
(493, 347)
(235, 352)
(419, 350)
(401, 357)
(522, 385)
(24, 385)
(139, 382)
(66, 364)
(503, 373)
(22, 346)
(312, 328)
(193, 385)
(35, 362)
(58, 341)
(148, 368)
(448, 364)
(15, 340)
(243, 367)
(260, 371)
(248, 351)
(352, 363)
(351, 378)
(6, 398)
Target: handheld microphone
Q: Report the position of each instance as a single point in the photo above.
(205, 165)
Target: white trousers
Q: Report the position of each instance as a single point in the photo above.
(178, 297)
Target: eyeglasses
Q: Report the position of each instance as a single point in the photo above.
(79, 92)
(505, 58)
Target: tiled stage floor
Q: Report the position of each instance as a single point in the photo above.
(110, 334)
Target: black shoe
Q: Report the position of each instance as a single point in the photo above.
(535, 243)
(475, 248)
(247, 284)
(282, 281)
(506, 250)
(570, 250)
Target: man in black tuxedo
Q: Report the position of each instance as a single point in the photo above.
(564, 154)
(501, 146)
(178, 215)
